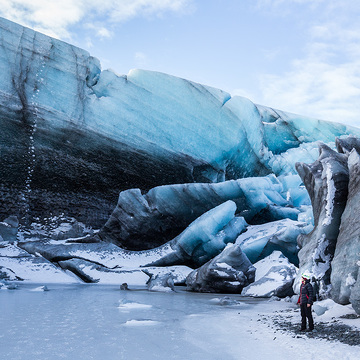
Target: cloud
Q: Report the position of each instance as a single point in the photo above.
(55, 18)
(100, 31)
(51, 17)
(325, 82)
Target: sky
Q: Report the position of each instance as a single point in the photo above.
(300, 56)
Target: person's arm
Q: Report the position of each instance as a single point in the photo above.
(310, 295)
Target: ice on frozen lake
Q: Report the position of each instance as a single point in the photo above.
(141, 323)
(129, 305)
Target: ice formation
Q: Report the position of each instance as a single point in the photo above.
(346, 262)
(229, 272)
(260, 241)
(142, 221)
(327, 183)
(195, 168)
(75, 136)
(274, 277)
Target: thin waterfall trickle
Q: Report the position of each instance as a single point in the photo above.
(31, 153)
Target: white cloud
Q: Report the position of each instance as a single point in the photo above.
(122, 10)
(51, 17)
(99, 30)
(325, 82)
(54, 17)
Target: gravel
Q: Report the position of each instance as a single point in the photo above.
(333, 330)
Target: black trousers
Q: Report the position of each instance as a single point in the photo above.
(306, 313)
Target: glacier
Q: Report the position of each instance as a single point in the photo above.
(74, 135)
(149, 178)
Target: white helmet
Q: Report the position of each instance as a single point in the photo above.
(306, 275)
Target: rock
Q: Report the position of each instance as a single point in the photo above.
(229, 272)
(124, 286)
(326, 180)
(346, 262)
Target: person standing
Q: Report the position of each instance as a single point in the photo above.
(306, 300)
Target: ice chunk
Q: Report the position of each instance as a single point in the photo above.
(229, 272)
(206, 237)
(260, 241)
(274, 277)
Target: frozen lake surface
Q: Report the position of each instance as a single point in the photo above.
(102, 322)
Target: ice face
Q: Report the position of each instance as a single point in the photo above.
(327, 182)
(74, 137)
(56, 103)
(345, 265)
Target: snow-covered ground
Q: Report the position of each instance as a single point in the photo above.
(103, 322)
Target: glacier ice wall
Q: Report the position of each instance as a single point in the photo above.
(327, 183)
(74, 136)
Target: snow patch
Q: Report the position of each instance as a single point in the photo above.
(329, 196)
